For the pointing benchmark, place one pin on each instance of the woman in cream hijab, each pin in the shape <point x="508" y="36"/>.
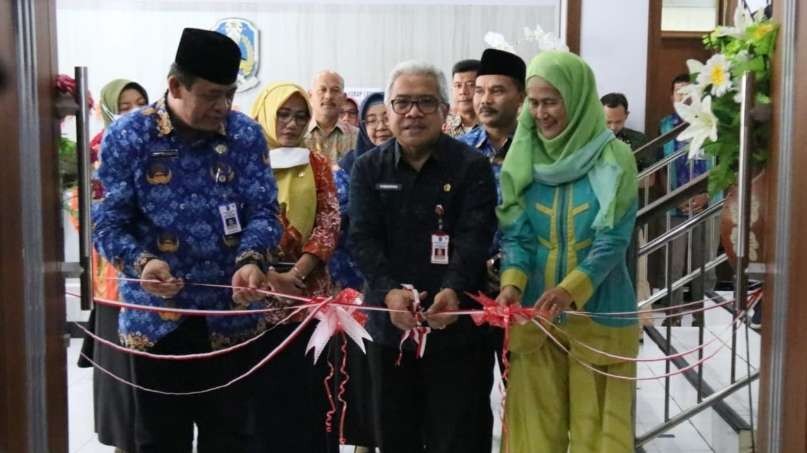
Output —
<point x="306" y="192"/>
<point x="290" y="401"/>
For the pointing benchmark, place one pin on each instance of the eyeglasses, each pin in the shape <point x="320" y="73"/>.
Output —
<point x="374" y="121"/>
<point x="426" y="104"/>
<point x="285" y="116"/>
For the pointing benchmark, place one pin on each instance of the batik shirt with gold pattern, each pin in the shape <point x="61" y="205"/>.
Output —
<point x="163" y="198"/>
<point x="334" y="145"/>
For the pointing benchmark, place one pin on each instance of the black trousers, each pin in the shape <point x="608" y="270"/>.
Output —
<point x="165" y="423"/>
<point x="289" y="401"/>
<point x="437" y="404"/>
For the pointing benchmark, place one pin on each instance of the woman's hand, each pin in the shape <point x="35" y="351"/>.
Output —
<point x="286" y="283"/>
<point x="553" y="302"/>
<point x="509" y="295"/>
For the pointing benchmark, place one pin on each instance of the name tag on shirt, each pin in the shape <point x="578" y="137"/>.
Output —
<point x="229" y="218"/>
<point x="388" y="186"/>
<point x="440" y="248"/>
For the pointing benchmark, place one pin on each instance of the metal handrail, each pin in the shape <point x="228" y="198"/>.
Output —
<point x="691" y="412"/>
<point x="661" y="139"/>
<point x="663" y="162"/>
<point x="678" y="284"/>
<point x="695" y="186"/>
<point x="681" y="229"/>
<point x="743" y="228"/>
<point x="741" y="282"/>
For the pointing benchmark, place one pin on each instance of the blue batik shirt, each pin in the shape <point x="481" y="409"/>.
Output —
<point x="343" y="269"/>
<point x="679" y="171"/>
<point x="477" y="139"/>
<point x="163" y="196"/>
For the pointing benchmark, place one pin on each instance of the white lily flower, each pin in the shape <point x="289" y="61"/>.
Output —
<point x="551" y="42"/>
<point x="497" y="41"/>
<point x="694" y="66"/>
<point x="533" y="35"/>
<point x="695" y="89"/>
<point x="716" y="72"/>
<point x="702" y="124"/>
<point x="691" y="91"/>
<point x="742" y="20"/>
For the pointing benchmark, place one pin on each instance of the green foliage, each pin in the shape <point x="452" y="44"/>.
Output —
<point x="751" y="51"/>
<point x="68" y="163"/>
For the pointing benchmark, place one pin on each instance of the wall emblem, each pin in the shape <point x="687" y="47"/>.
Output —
<point x="244" y="33"/>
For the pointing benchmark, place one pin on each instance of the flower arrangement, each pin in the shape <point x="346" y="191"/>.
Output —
<point x="712" y="104"/>
<point x="544" y="40"/>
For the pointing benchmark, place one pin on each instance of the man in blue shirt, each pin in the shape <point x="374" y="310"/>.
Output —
<point x="190" y="199"/>
<point x="702" y="240"/>
<point x="498" y="94"/>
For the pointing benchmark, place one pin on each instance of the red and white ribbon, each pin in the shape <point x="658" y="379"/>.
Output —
<point x="419" y="334"/>
<point x="339" y="316"/>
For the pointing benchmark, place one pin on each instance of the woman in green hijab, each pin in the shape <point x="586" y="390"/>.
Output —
<point x="117" y="97"/>
<point x="569" y="200"/>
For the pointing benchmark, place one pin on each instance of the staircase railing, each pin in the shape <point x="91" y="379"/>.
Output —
<point x="707" y="398"/>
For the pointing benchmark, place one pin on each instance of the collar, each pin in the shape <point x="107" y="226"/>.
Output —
<point x="483" y="138"/>
<point x="340" y="126"/>
<point x="165" y="126"/>
<point x="453" y="120"/>
<point x="436" y="155"/>
<point x="288" y="157"/>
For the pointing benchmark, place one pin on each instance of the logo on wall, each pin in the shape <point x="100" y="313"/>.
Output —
<point x="244" y="33"/>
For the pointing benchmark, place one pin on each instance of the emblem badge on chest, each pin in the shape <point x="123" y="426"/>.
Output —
<point x="167" y="242"/>
<point x="222" y="173"/>
<point x="158" y="173"/>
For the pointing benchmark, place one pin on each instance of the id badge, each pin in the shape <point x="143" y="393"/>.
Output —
<point x="229" y="218"/>
<point x="440" y="248"/>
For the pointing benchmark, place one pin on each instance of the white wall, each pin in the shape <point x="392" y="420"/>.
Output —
<point x="613" y="40"/>
<point x="137" y="39"/>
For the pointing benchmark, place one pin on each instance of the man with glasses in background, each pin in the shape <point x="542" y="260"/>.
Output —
<point x="422" y="214"/>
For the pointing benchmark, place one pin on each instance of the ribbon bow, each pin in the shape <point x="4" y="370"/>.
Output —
<point x="499" y="315"/>
<point x="339" y="316"/>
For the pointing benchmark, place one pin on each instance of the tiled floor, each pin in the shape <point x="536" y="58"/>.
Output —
<point x="704" y="433"/>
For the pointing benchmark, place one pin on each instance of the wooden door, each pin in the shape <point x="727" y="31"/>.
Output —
<point x="667" y="53"/>
<point x="33" y="401"/>
<point x="783" y="381"/>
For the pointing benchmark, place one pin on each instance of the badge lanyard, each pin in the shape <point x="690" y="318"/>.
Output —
<point x="228" y="212"/>
<point x="440" y="239"/>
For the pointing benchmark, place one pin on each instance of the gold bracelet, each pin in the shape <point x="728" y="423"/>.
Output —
<point x="297" y="273"/>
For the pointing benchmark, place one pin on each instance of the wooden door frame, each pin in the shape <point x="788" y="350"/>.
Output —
<point x="783" y="382"/>
<point x="574" y="13"/>
<point x="33" y="380"/>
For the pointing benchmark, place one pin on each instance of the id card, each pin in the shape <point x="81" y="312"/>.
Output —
<point x="440" y="248"/>
<point x="229" y="218"/>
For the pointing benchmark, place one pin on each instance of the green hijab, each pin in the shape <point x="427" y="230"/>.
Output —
<point x="110" y="94"/>
<point x="584" y="148"/>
